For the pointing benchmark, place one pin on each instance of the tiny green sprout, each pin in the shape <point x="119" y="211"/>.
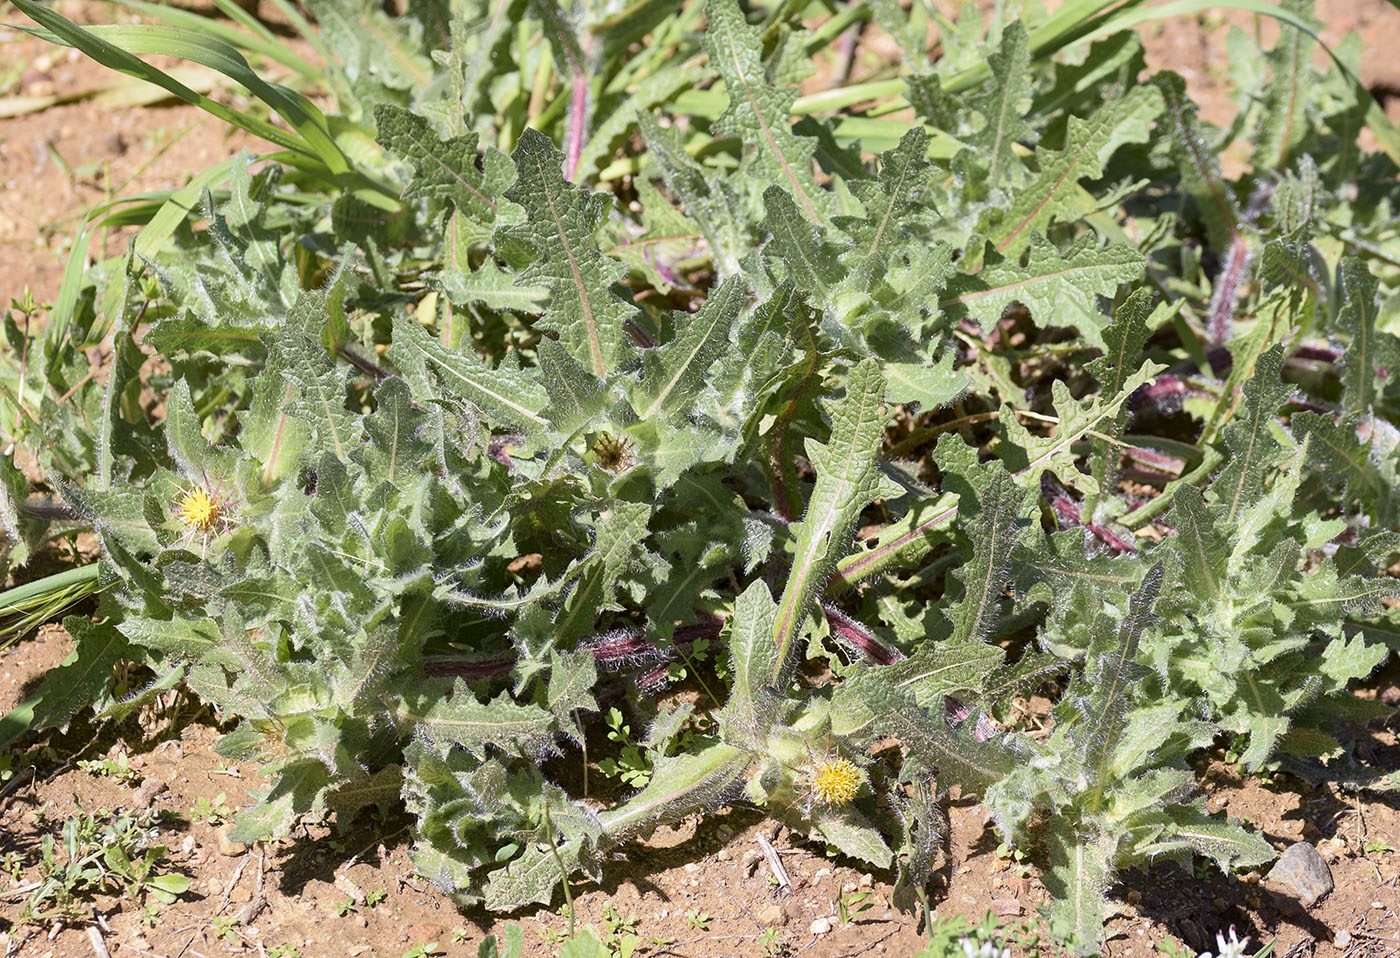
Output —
<point x="150" y="914"/>
<point x="771" y="941"/>
<point x="424" y="949"/>
<point x="1372" y="847"/>
<point x="459" y="935"/>
<point x="699" y="920"/>
<point x="213" y="812"/>
<point x="284" y="951"/>
<point x="224" y="927"/>
<point x="375" y="897"/>
<point x="346" y="907"/>
<point x="853" y="905"/>
<point x="118" y="768"/>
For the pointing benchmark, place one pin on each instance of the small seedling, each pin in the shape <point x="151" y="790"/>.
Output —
<point x="852" y="906"/>
<point x="771" y="941"/>
<point x="375" y="897"/>
<point x="284" y="951"/>
<point x="212" y="812"/>
<point x="118" y="768"/>
<point x="631" y="766"/>
<point x="225" y="927"/>
<point x="699" y="920"/>
<point x="424" y="949"/>
<point x="343" y="908"/>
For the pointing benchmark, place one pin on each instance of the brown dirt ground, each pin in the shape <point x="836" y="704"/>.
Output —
<point x="57" y="162"/>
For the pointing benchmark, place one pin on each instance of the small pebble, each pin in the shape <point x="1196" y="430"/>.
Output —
<point x="691" y="867"/>
<point x="772" y="917"/>
<point x="724" y="855"/>
<point x="820" y="927"/>
<point x="1342" y="940"/>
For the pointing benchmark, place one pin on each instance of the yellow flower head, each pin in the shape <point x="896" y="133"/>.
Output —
<point x="199" y="510"/>
<point x="836" y="783"/>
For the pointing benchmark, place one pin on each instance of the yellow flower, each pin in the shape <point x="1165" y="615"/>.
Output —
<point x="837" y="782"/>
<point x="199" y="510"/>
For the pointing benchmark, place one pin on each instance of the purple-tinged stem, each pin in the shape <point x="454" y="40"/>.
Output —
<point x="578" y="122"/>
<point x="854" y="633"/>
<point x="1227" y="290"/>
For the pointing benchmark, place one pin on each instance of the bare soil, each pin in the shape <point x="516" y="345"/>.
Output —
<point x="699" y="889"/>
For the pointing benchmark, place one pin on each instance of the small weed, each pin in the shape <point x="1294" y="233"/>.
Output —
<point x="459" y="935"/>
<point x="284" y="951"/>
<point x="771" y="941"/>
<point x="424" y="949"/>
<point x="118" y="768"/>
<point x="852" y="906"/>
<point x="699" y="920"/>
<point x="1372" y="847"/>
<point x="224" y="929"/>
<point x="214" y="812"/>
<point x="620" y="939"/>
<point x="343" y="908"/>
<point x="631" y="766"/>
<point x="102" y="853"/>
<point x="375" y="897"/>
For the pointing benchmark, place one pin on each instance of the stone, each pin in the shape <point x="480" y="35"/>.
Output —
<point x="1342" y="940"/>
<point x="723" y="855"/>
<point x="1006" y="907"/>
<point x="147" y="792"/>
<point x="772" y="917"/>
<point x="1301" y="873"/>
<point x="227" y="846"/>
<point x="820" y="927"/>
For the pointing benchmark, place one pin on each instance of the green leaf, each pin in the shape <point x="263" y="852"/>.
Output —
<point x="1088" y="145"/>
<point x="1371" y="350"/>
<point x="616" y="546"/>
<point x="459" y="719"/>
<point x="561" y="222"/>
<point x="1059" y="289"/>
<point x="758" y="112"/>
<point x="994" y="539"/>
<point x="675" y="373"/>
<point x="847" y="481"/>
<point x="505" y="394"/>
<point x="1002" y="102"/>
<point x="445" y="169"/>
<point x="1078" y="879"/>
<point x="1253" y="446"/>
<point x="84" y="679"/>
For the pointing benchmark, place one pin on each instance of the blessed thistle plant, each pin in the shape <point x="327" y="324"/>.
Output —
<point x="909" y="419"/>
